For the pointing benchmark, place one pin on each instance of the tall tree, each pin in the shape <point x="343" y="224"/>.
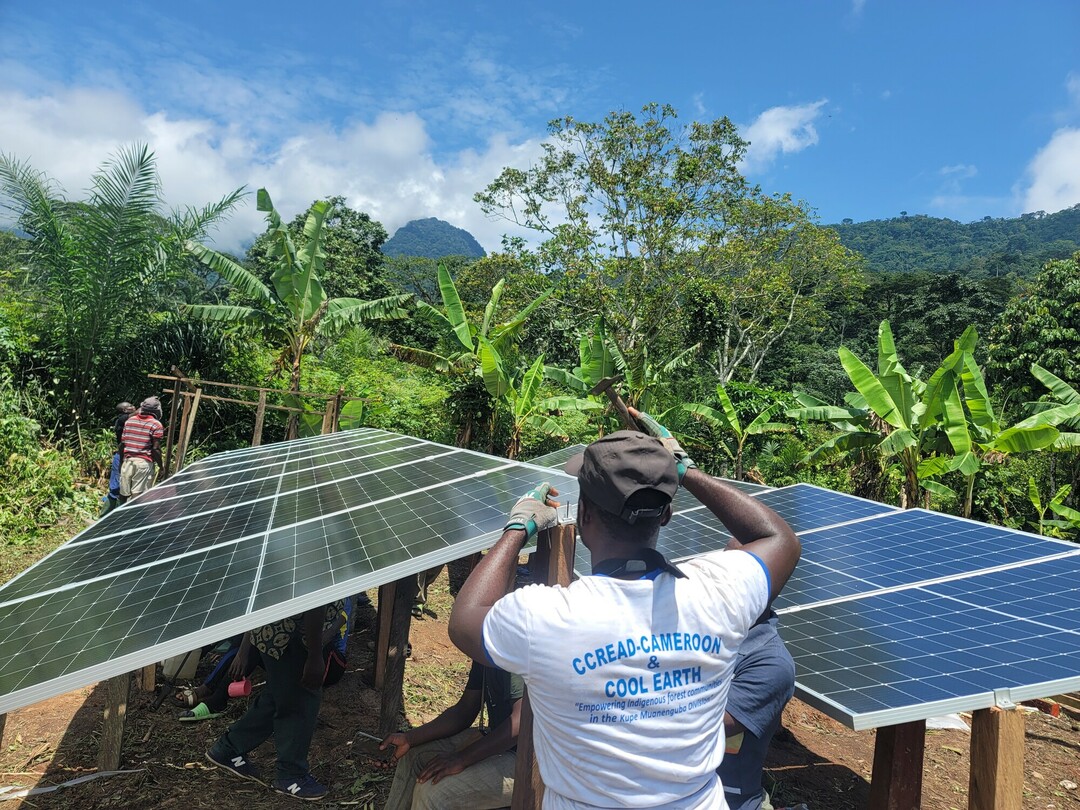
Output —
<point x="294" y="309"/>
<point x="635" y="208"/>
<point x="775" y="271"/>
<point x="103" y="266"/>
<point x="1041" y="326"/>
<point x="353" y="266"/>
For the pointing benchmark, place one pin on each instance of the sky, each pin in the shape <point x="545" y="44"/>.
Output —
<point x="407" y="108"/>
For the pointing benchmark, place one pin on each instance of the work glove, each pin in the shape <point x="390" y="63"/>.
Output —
<point x="534" y="511"/>
<point x="683" y="462"/>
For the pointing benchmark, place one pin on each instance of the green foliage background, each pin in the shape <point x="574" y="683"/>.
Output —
<point x="731" y="269"/>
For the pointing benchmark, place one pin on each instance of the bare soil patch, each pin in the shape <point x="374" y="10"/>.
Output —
<point x="813" y="760"/>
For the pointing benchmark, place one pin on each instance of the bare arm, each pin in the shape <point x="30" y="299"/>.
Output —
<point x="487" y="583"/>
<point x="754" y="526"/>
<point x="457" y="718"/>
<point x="501" y="739"/>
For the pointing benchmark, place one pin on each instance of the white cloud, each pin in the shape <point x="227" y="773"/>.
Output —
<point x="1053" y="176"/>
<point x="960" y="171"/>
<point x="384" y="167"/>
<point x="1072" y="86"/>
<point x="780" y="130"/>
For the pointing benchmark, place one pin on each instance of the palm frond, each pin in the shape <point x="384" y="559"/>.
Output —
<point x="246" y="282"/>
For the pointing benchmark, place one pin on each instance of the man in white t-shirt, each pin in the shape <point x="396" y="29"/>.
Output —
<point x="628" y="670"/>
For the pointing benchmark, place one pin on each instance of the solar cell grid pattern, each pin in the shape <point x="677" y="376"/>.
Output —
<point x="901" y="548"/>
<point x="909" y="654"/>
<point x="243" y="538"/>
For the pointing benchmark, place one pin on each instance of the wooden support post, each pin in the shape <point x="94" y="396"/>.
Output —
<point x="260" y="415"/>
<point x="397" y="640"/>
<point x="172" y="417"/>
<point x="146" y="678"/>
<point x="898" y="767"/>
<point x="117" y="691"/>
<point x="383" y="618"/>
<point x="554" y="563"/>
<point x="528" y="786"/>
<point x="997" y="760"/>
<point x="187" y="424"/>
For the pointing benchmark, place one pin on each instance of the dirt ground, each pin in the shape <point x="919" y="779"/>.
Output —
<point x="814" y="759"/>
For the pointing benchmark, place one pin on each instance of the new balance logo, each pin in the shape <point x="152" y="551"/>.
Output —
<point x="294" y="788"/>
<point x="238" y="762"/>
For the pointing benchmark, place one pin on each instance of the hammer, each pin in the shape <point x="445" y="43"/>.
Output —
<point x="607" y="386"/>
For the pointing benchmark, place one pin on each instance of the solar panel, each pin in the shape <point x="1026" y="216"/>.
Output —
<point x="805" y="506"/>
<point x="903" y="548"/>
<point x="557" y="458"/>
<point x="243" y="538"/>
<point x="959" y="645"/>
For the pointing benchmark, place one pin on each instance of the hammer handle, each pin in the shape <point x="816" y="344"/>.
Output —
<point x="620" y="407"/>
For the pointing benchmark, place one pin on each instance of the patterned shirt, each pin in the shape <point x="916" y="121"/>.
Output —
<point x="273" y="639"/>
<point x="139" y="432"/>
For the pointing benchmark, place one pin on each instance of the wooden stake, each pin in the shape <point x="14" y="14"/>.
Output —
<point x="179" y="377"/>
<point x="188" y="424"/>
<point x="395" y="645"/>
<point x="997" y="760"/>
<point x="117" y="692"/>
<point x="146" y="678"/>
<point x="260" y="415"/>
<point x="528" y="786"/>
<point x="898" y="767"/>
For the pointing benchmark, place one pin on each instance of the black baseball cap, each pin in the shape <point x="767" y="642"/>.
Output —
<point x="618" y="466"/>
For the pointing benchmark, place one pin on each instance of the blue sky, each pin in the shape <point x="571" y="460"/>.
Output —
<point x="862" y="108"/>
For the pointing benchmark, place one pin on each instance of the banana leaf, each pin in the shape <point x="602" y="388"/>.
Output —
<point x="867" y="384"/>
<point x="1064" y="392"/>
<point x="1024" y="439"/>
<point x="455" y="312"/>
<point x="496" y="380"/>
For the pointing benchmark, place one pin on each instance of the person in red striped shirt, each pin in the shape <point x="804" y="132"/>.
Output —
<point x="140" y="447"/>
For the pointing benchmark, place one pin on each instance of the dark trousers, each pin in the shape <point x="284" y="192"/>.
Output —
<point x="283" y="709"/>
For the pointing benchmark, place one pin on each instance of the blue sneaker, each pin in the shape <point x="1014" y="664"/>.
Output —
<point x="237" y="765"/>
<point x="305" y="788"/>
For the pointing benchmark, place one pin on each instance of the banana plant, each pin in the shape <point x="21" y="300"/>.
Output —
<point x="977" y="435"/>
<point x="1053" y="528"/>
<point x="728" y="419"/>
<point x="528" y="410"/>
<point x="599" y="357"/>
<point x="891" y="413"/>
<point x="294" y="309"/>
<point x="467" y="349"/>
<point x="596" y="362"/>
<point x="1065" y="408"/>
